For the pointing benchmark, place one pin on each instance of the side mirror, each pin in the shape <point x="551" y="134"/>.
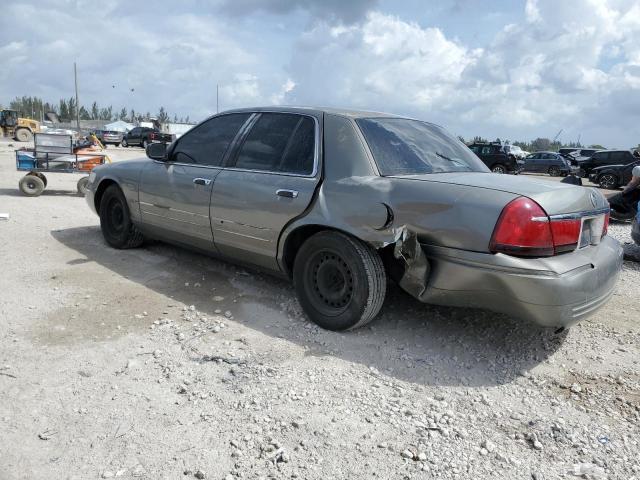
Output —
<point x="157" y="151"/>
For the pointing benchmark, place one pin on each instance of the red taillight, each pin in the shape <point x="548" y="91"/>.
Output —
<point x="566" y="234"/>
<point x="605" y="227"/>
<point x="523" y="229"/>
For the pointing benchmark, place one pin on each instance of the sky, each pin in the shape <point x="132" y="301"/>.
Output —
<point x="516" y="69"/>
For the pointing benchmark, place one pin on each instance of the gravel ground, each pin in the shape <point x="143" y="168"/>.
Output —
<point x="161" y="363"/>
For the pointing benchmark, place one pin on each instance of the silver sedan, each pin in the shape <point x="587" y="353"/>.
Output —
<point x="339" y="201"/>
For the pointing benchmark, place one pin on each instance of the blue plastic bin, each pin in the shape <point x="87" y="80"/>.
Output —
<point x="26" y="161"/>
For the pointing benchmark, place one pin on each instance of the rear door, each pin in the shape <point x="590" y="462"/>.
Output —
<point x="269" y="181"/>
<point x="531" y="162"/>
<point x="175" y="194"/>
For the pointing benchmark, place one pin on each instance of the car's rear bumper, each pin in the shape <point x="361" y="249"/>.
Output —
<point x="553" y="292"/>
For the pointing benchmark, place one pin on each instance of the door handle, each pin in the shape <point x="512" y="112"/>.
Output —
<point x="287" y="193"/>
<point x="202" y="181"/>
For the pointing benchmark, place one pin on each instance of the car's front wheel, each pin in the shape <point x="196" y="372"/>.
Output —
<point x="608" y="181"/>
<point x="340" y="281"/>
<point x="115" y="220"/>
<point x="124" y="143"/>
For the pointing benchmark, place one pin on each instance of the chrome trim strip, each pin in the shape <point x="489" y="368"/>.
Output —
<point x="576" y="215"/>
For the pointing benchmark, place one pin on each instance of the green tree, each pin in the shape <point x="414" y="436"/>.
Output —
<point x="64" y="110"/>
<point x="84" y="114"/>
<point x="123" y="114"/>
<point x="95" y="111"/>
<point x="163" y="117"/>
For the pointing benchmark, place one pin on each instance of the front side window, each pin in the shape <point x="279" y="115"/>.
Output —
<point x="281" y="143"/>
<point x="207" y="143"/>
<point x="409" y="147"/>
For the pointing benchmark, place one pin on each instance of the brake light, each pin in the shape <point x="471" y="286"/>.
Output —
<point x="565" y="234"/>
<point x="605" y="227"/>
<point x="524" y="229"/>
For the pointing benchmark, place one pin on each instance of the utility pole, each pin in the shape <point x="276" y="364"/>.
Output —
<point x="217" y="99"/>
<point x="75" y="77"/>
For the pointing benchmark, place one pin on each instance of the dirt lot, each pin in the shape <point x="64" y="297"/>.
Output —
<point x="161" y="363"/>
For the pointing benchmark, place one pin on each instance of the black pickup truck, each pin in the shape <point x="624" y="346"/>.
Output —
<point x="143" y="136"/>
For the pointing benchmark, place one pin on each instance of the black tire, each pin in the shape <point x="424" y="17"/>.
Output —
<point x="31" y="185"/>
<point x="24" y="135"/>
<point x="554" y="171"/>
<point x="608" y="181"/>
<point x="499" y="168"/>
<point x="82" y="185"/>
<point x="339" y="280"/>
<point x="115" y="220"/>
<point x="124" y="143"/>
<point x="41" y="176"/>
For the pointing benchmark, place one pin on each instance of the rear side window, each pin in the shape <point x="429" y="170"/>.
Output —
<point x="618" y="157"/>
<point x="600" y="156"/>
<point x="207" y="143"/>
<point x="408" y="147"/>
<point x="279" y="142"/>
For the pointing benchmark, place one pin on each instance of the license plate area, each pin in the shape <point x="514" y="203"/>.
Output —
<point x="591" y="231"/>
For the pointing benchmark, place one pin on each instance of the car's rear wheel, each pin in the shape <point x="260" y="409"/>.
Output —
<point x="340" y="281"/>
<point x="608" y="181"/>
<point x="115" y="220"/>
<point x="499" y="168"/>
<point x="554" y="171"/>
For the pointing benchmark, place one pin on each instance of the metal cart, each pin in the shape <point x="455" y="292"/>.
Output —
<point x="55" y="154"/>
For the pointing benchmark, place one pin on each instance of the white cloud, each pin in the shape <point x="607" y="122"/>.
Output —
<point x="573" y="64"/>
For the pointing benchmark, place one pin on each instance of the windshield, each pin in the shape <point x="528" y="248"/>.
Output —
<point x="410" y="147"/>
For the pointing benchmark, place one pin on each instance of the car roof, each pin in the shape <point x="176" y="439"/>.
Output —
<point x="344" y="112"/>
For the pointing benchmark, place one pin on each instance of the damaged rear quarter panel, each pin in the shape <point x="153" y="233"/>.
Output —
<point x="404" y="211"/>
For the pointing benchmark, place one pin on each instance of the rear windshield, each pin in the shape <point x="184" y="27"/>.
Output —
<point x="410" y="147"/>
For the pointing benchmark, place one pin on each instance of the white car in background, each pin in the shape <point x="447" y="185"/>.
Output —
<point x="515" y="151"/>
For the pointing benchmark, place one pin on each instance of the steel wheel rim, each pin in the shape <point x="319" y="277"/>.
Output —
<point x="330" y="282"/>
<point x="115" y="216"/>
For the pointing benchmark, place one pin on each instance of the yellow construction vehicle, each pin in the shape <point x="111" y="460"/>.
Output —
<point x="20" y="129"/>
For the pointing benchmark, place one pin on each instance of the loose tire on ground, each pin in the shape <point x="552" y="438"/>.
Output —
<point x="339" y="280"/>
<point x="115" y="220"/>
<point x="24" y="135"/>
<point x="31" y="185"/>
<point x="82" y="185"/>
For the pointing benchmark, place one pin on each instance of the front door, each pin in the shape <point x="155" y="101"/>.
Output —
<point x="175" y="195"/>
<point x="270" y="180"/>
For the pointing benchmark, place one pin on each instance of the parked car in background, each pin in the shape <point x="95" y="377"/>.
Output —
<point x="613" y="176"/>
<point x="578" y="152"/>
<point x="494" y="157"/>
<point x="336" y="200"/>
<point x="108" y="137"/>
<point x="604" y="158"/>
<point x="549" y="162"/>
<point x="143" y="136"/>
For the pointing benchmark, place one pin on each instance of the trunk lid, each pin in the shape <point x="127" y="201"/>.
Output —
<point x="554" y="197"/>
